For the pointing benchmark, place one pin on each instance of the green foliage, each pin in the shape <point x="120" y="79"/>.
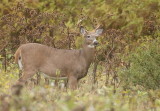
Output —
<point x="144" y="69"/>
<point x="6" y="77"/>
<point x="84" y="99"/>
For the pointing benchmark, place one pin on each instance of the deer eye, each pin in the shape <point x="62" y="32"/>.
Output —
<point x="88" y="36"/>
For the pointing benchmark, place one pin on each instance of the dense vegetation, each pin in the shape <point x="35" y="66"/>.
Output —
<point x="126" y="71"/>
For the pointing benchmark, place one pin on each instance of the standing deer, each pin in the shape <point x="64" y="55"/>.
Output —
<point x="73" y="64"/>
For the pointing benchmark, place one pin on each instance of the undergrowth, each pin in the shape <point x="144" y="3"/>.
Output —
<point x="87" y="97"/>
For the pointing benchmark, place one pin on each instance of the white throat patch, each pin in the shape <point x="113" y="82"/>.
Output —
<point x="91" y="46"/>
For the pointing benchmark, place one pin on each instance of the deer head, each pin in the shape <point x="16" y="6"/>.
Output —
<point x="90" y="36"/>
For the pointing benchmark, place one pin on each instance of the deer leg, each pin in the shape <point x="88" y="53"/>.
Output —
<point x="72" y="82"/>
<point x="25" y="76"/>
<point x="46" y="81"/>
<point x="16" y="88"/>
<point x="65" y="83"/>
<point x="38" y="78"/>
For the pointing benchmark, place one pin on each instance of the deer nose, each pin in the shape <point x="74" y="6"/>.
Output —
<point x="95" y="43"/>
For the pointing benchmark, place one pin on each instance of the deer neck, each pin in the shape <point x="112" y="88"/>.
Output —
<point x="88" y="54"/>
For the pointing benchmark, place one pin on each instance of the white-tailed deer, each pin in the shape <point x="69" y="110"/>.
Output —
<point x="73" y="64"/>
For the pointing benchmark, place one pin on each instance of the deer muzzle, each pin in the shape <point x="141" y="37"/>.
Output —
<point x="95" y="43"/>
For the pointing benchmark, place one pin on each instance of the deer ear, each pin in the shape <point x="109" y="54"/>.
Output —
<point x="99" y="31"/>
<point x="82" y="30"/>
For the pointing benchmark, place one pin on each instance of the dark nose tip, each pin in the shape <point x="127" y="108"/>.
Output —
<point x="95" y="43"/>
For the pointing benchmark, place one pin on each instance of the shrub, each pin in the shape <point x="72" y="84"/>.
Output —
<point x="144" y="68"/>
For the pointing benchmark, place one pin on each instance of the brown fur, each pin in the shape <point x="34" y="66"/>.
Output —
<point x="73" y="64"/>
